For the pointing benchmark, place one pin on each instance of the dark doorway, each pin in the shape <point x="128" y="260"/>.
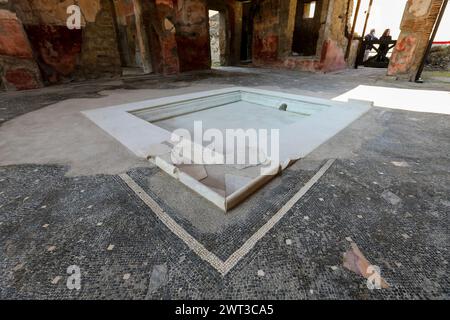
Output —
<point x="131" y="37"/>
<point x="247" y="33"/>
<point x="126" y="29"/>
<point x="307" y="27"/>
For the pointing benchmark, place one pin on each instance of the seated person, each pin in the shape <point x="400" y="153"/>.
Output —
<point x="369" y="37"/>
<point x="384" y="46"/>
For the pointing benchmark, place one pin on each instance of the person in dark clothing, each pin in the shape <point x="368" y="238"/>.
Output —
<point x="384" y="46"/>
<point x="369" y="37"/>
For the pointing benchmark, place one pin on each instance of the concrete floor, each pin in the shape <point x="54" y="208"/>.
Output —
<point x="62" y="202"/>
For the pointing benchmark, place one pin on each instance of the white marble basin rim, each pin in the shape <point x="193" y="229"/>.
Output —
<point x="146" y="127"/>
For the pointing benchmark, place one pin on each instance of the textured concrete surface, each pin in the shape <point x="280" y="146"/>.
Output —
<point x="388" y="192"/>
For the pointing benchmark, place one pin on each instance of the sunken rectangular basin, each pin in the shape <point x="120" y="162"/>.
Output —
<point x="293" y="126"/>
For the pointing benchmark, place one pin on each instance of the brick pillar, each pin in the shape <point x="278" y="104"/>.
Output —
<point x="417" y="24"/>
<point x="18" y="69"/>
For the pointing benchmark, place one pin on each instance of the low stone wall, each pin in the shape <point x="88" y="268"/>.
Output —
<point x="439" y="58"/>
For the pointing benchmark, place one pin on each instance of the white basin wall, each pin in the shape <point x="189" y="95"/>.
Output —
<point x="307" y="123"/>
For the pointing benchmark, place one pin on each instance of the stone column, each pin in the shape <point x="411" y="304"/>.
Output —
<point x="417" y="24"/>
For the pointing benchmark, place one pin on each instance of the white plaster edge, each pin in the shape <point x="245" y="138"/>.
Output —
<point x="139" y="135"/>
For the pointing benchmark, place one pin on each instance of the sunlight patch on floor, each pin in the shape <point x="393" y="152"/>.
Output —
<point x="403" y="99"/>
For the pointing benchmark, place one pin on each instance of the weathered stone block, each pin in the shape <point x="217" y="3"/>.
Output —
<point x="13" y="40"/>
<point x="19" y="74"/>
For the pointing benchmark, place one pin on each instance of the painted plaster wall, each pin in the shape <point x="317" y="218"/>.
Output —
<point x="273" y="31"/>
<point x="159" y="17"/>
<point x="266" y="31"/>
<point x="91" y="52"/>
<point x="192" y="34"/>
<point x="62" y="53"/>
<point x="177" y="31"/>
<point x="37" y="44"/>
<point x="231" y="21"/>
<point x="416" y="27"/>
<point x="127" y="33"/>
<point x="18" y="69"/>
<point x="99" y="48"/>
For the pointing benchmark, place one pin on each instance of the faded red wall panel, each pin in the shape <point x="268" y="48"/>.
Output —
<point x="57" y="47"/>
<point x="192" y="34"/>
<point x="403" y="56"/>
<point x="13" y="40"/>
<point x="18" y="70"/>
<point x="332" y="57"/>
<point x="163" y="43"/>
<point x="265" y="48"/>
<point x="22" y="79"/>
<point x="193" y="52"/>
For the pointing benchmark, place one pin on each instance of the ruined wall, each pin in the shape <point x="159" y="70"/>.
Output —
<point x="159" y="17"/>
<point x="334" y="41"/>
<point x="231" y="30"/>
<point x="266" y="31"/>
<point x="416" y="27"/>
<point x="62" y="53"/>
<point x="179" y="33"/>
<point x="274" y="22"/>
<point x="175" y="32"/>
<point x="18" y="70"/>
<point x="99" y="51"/>
<point x="192" y="34"/>
<point x="127" y="36"/>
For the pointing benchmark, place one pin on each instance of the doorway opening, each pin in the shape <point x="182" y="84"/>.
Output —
<point x="247" y="33"/>
<point x="307" y="28"/>
<point x="131" y="37"/>
<point x="217" y="37"/>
